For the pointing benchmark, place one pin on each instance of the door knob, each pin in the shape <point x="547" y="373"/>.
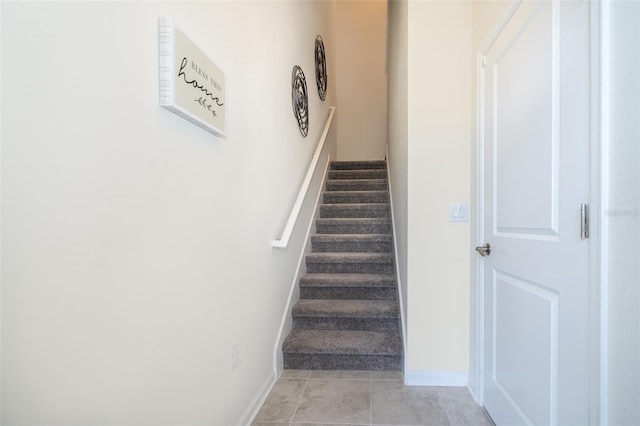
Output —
<point x="484" y="250"/>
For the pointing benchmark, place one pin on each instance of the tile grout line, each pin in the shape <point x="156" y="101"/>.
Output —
<point x="442" y="403"/>
<point x="293" y="416"/>
<point x="334" y="379"/>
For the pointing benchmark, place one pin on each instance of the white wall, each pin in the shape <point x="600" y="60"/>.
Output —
<point x="622" y="215"/>
<point x="136" y="247"/>
<point x="439" y="116"/>
<point x="361" y="80"/>
<point x="397" y="75"/>
<point x="430" y="166"/>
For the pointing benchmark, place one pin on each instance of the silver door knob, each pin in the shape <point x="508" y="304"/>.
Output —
<point x="484" y="250"/>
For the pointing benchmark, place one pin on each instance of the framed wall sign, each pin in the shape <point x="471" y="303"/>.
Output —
<point x="191" y="85"/>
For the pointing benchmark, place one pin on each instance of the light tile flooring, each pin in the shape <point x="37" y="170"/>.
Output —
<point x="302" y="397"/>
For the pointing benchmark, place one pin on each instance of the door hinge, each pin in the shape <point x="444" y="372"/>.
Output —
<point x="484" y="61"/>
<point x="584" y="221"/>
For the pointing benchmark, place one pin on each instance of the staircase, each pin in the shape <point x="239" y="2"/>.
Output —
<point x="347" y="317"/>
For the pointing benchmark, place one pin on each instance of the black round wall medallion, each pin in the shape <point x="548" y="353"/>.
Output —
<point x="299" y="99"/>
<point x="321" y="68"/>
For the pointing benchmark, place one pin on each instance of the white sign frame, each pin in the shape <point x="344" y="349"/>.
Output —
<point x="192" y="86"/>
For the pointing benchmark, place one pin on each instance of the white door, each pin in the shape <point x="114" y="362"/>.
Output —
<point x="536" y="175"/>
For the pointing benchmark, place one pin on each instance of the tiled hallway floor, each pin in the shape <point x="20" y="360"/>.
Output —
<point x="302" y="397"/>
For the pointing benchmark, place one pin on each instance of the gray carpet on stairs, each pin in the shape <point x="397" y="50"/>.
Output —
<point x="348" y="316"/>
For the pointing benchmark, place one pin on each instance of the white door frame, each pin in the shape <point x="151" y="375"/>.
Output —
<point x="597" y="343"/>
<point x="600" y="185"/>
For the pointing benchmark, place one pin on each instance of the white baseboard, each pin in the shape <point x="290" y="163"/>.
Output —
<point x="436" y="378"/>
<point x="256" y="403"/>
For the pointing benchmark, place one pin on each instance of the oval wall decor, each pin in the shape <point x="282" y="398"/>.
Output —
<point x="321" y="69"/>
<point x="299" y="99"/>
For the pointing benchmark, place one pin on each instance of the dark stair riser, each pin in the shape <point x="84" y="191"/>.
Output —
<point x="351" y="247"/>
<point x="332" y="323"/>
<point x="342" y="362"/>
<point x="337" y="292"/>
<point x="357" y="185"/>
<point x="369" y="210"/>
<point x="353" y="229"/>
<point x="353" y="197"/>
<point x="358" y="165"/>
<point x="357" y="174"/>
<point x="360" y="226"/>
<point x="346" y="315"/>
<point x="360" y="287"/>
<point x="350" y="268"/>
<point x="343" y="350"/>
<point x="341" y="243"/>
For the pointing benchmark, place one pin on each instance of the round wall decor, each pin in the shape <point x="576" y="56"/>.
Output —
<point x="321" y="68"/>
<point x="299" y="99"/>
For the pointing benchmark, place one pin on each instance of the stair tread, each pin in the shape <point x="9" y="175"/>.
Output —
<point x="353" y="220"/>
<point x="356" y="181"/>
<point x="350" y="257"/>
<point x="366" y="191"/>
<point x="355" y="205"/>
<point x="346" y="308"/>
<point x="351" y="165"/>
<point x="358" y="174"/>
<point x="351" y="238"/>
<point x="343" y="342"/>
<point x="347" y="280"/>
<point x="356" y="184"/>
<point x="370" y="196"/>
<point x="355" y="210"/>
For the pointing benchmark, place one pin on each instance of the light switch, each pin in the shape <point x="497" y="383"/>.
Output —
<point x="458" y="213"/>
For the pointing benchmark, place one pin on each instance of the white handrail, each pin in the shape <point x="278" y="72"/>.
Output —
<point x="283" y="241"/>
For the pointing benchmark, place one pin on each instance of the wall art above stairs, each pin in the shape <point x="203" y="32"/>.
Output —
<point x="348" y="316"/>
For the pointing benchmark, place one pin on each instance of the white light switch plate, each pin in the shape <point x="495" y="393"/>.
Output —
<point x="458" y="213"/>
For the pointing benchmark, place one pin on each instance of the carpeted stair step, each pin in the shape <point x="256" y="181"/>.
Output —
<point x="348" y="317"/>
<point x="350" y="263"/>
<point x="324" y="314"/>
<point x="343" y="243"/>
<point x="353" y="225"/>
<point x="352" y="197"/>
<point x="358" y="165"/>
<point x="343" y="350"/>
<point x="355" y="210"/>
<point x="357" y="185"/>
<point x="358" y="174"/>
<point x="348" y="286"/>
